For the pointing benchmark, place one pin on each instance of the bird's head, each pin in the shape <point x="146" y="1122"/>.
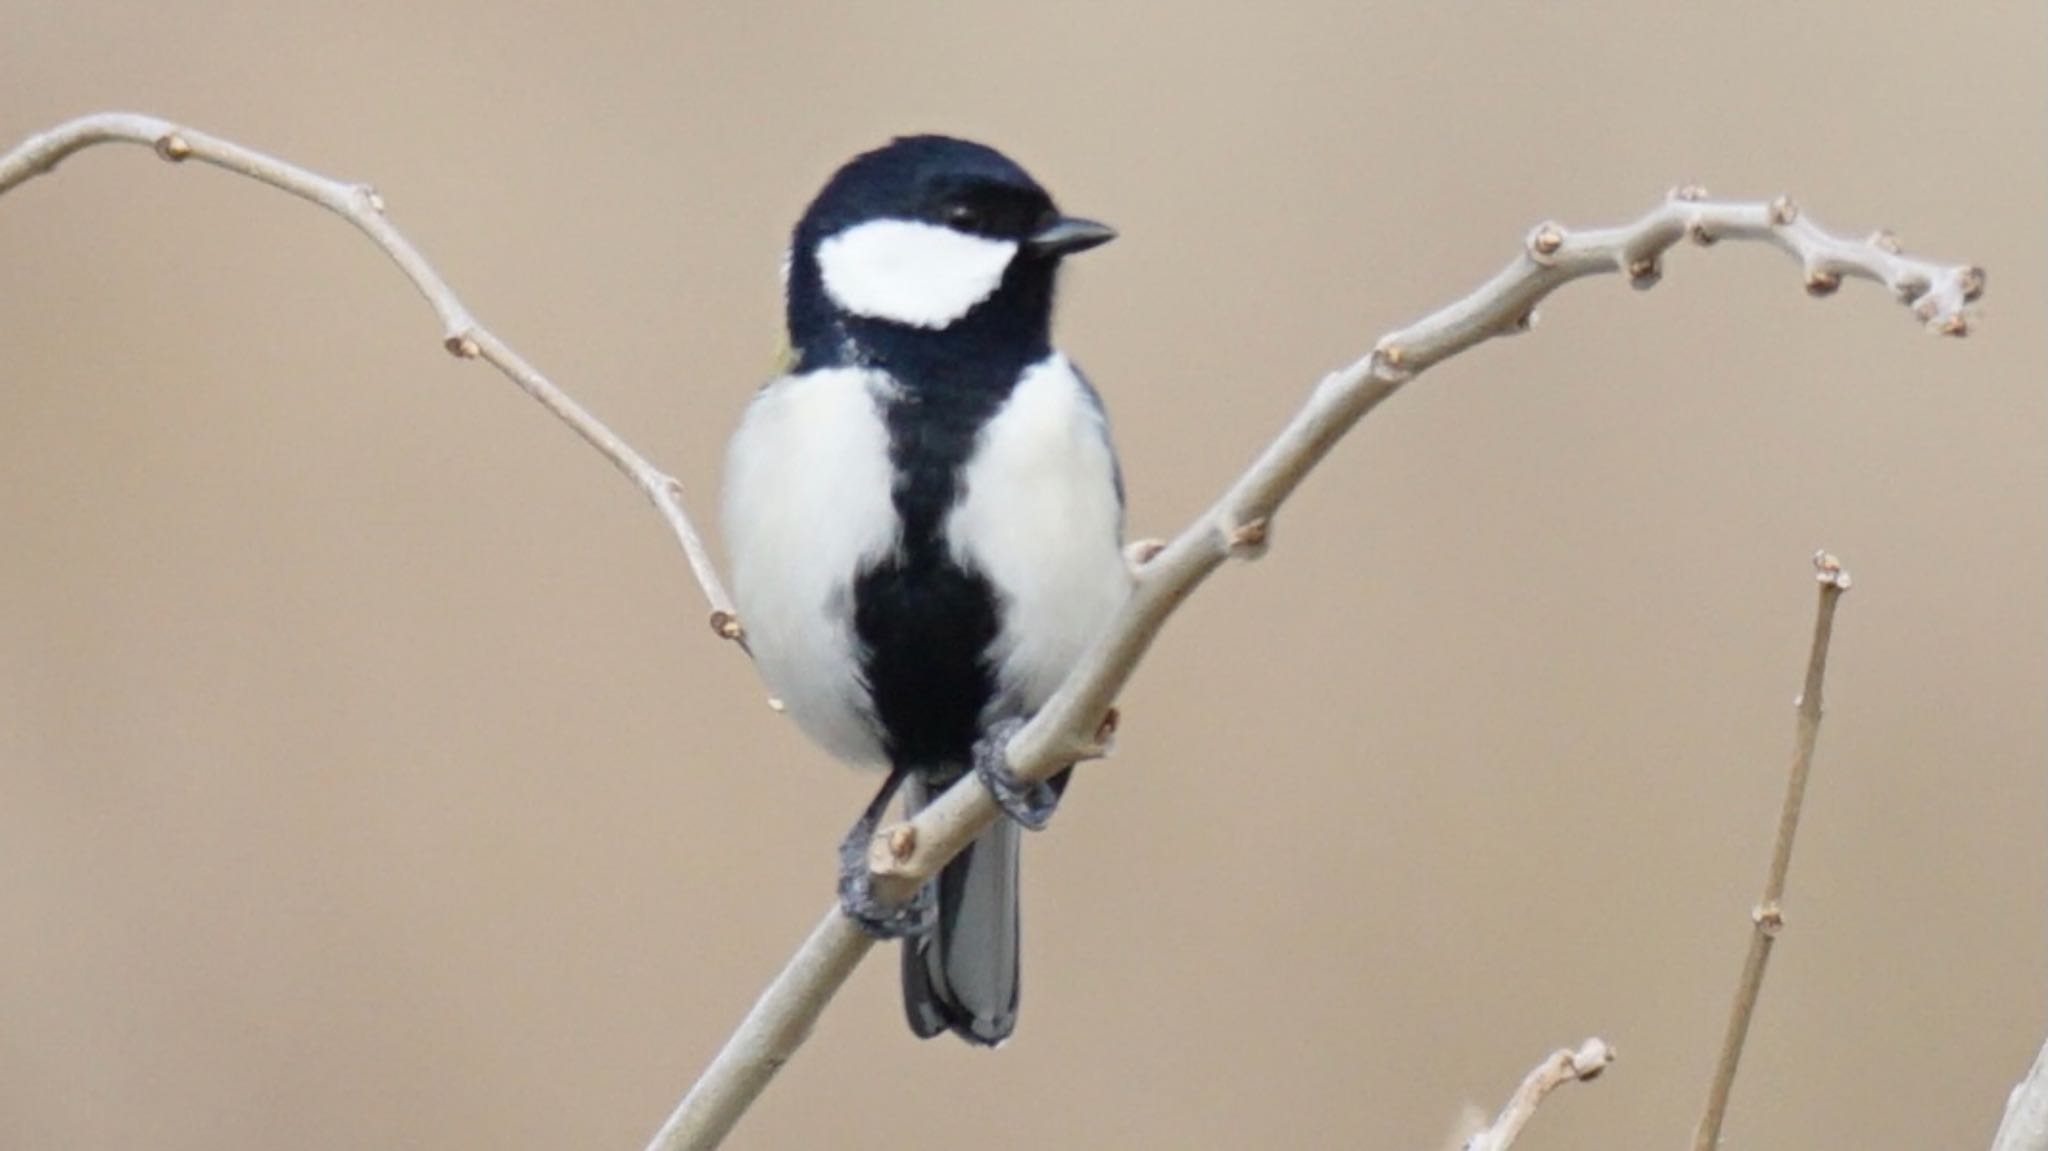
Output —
<point x="928" y="237"/>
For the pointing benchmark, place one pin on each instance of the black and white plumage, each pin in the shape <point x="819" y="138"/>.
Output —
<point x="924" y="516"/>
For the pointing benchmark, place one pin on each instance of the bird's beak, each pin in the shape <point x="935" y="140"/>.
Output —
<point x="1067" y="235"/>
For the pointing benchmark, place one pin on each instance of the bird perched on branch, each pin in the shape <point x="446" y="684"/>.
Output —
<point x="924" y="518"/>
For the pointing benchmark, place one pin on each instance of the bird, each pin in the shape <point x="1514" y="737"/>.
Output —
<point x="924" y="517"/>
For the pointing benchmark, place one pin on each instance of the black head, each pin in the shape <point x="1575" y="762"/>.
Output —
<point x="928" y="246"/>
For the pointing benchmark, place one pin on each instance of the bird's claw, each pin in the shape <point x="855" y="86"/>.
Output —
<point x="878" y="920"/>
<point x="1029" y="805"/>
<point x="857" y="896"/>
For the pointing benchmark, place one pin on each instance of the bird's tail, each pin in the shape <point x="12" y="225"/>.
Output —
<point x="962" y="975"/>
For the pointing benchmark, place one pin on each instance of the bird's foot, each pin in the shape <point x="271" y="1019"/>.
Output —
<point x="857" y="894"/>
<point x="1030" y="805"/>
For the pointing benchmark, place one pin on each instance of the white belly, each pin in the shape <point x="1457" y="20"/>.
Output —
<point x="1039" y="516"/>
<point x="807" y="505"/>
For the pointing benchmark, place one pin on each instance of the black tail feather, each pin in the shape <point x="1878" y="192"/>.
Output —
<point x="963" y="976"/>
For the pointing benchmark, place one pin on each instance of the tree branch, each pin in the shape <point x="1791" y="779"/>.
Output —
<point x="1768" y="918"/>
<point x="1078" y="722"/>
<point x="1557" y="1069"/>
<point x="462" y="335"/>
<point x="751" y="1058"/>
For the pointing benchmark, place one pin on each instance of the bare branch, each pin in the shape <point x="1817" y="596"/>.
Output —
<point x="1557" y="1069"/>
<point x="1768" y="918"/>
<point x="462" y="335"/>
<point x="1074" y="724"/>
<point x="2025" y="1126"/>
<point x="752" y="1057"/>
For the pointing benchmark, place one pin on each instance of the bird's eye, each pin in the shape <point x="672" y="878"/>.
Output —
<point x="966" y="217"/>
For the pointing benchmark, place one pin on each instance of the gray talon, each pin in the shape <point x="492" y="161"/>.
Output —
<point x="1030" y="805"/>
<point x="857" y="895"/>
<point x="912" y="920"/>
<point x="856" y="886"/>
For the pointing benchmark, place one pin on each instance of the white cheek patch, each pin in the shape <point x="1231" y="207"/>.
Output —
<point x="912" y="273"/>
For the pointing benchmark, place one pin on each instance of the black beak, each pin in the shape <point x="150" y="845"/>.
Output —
<point x="1068" y="235"/>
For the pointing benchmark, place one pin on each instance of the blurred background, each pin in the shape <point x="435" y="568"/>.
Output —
<point x="368" y="777"/>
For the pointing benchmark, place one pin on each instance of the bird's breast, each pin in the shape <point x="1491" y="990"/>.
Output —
<point x="1039" y="513"/>
<point x="910" y="565"/>
<point x="807" y="505"/>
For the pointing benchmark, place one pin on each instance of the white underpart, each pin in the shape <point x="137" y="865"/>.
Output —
<point x="1039" y="517"/>
<point x="807" y="505"/>
<point x="908" y="272"/>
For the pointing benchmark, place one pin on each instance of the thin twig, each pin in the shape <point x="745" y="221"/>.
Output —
<point x="1768" y="918"/>
<point x="1077" y="722"/>
<point x="2025" y="1126"/>
<point x="1557" y="1069"/>
<point x="746" y="1063"/>
<point x="461" y="334"/>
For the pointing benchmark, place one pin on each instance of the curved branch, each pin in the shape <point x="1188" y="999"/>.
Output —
<point x="1078" y="721"/>
<point x="1237" y="526"/>
<point x="462" y="335"/>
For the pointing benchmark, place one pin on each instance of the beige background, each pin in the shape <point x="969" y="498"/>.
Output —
<point x="368" y="779"/>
